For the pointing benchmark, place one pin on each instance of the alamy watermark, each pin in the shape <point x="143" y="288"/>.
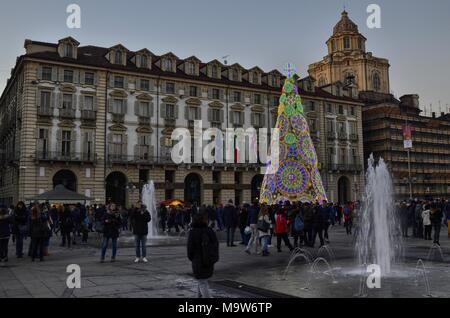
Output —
<point x="73" y="281"/>
<point x="74" y="19"/>
<point x="237" y="146"/>
<point x="374" y="19"/>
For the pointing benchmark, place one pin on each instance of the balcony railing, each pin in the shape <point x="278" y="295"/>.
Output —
<point x="345" y="167"/>
<point x="66" y="156"/>
<point x="144" y="121"/>
<point x="88" y="115"/>
<point x="45" y="111"/>
<point x="118" y="118"/>
<point x="331" y="134"/>
<point x="342" y="136"/>
<point x="66" y="113"/>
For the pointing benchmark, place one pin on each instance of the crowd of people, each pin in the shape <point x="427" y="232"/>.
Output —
<point x="423" y="217"/>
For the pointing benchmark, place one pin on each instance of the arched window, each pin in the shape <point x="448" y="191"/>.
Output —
<point x="376" y="82"/>
<point x="346" y="42"/>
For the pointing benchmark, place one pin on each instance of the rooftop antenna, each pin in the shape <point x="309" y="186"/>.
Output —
<point x="224" y="58"/>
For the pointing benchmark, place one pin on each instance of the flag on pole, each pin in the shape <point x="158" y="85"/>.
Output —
<point x="407" y="137"/>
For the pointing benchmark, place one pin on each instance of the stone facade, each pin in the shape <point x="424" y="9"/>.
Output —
<point x="99" y="120"/>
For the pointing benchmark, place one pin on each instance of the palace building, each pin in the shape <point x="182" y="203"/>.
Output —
<point x="99" y="120"/>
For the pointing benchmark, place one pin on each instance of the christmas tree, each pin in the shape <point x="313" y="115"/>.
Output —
<point x="295" y="176"/>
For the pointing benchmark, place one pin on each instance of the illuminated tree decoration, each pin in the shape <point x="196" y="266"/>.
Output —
<point x="295" y="177"/>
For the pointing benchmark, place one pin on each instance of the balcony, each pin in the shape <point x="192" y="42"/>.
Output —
<point x="331" y="135"/>
<point x="118" y="118"/>
<point x="67" y="113"/>
<point x="347" y="167"/>
<point x="144" y="121"/>
<point x="353" y="137"/>
<point x="9" y="158"/>
<point x="88" y="115"/>
<point x="66" y="156"/>
<point x="45" y="111"/>
<point x="170" y="122"/>
<point x="342" y="136"/>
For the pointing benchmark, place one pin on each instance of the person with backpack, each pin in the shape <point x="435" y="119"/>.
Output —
<point x="264" y="224"/>
<point x="203" y="252"/>
<point x="140" y="219"/>
<point x="298" y="227"/>
<point x="281" y="230"/>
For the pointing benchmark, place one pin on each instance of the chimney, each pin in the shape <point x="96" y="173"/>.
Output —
<point x="433" y="114"/>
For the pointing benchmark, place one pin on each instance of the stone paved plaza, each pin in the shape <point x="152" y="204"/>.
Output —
<point x="237" y="274"/>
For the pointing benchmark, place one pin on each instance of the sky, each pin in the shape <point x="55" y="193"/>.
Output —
<point x="414" y="34"/>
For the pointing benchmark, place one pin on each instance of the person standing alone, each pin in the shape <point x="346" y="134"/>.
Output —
<point x="203" y="252"/>
<point x="140" y="219"/>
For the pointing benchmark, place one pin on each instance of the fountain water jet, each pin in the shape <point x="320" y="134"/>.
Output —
<point x="148" y="199"/>
<point x="292" y="259"/>
<point x="378" y="240"/>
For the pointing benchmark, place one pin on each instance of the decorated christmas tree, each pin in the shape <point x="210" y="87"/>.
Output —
<point x="295" y="175"/>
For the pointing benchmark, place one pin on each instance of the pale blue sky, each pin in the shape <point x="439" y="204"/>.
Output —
<point x="414" y="34"/>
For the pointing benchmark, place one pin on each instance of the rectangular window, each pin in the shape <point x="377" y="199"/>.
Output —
<point x="144" y="61"/>
<point x="343" y="156"/>
<point x="274" y="81"/>
<point x="170" y="111"/>
<point x="329" y="108"/>
<point x="88" y="102"/>
<point x="118" y="57"/>
<point x="67" y="101"/>
<point x="89" y="78"/>
<point x="275" y="101"/>
<point x="43" y="141"/>
<point x="68" y="50"/>
<point x="144" y="109"/>
<point x="341" y="109"/>
<point x="215" y="93"/>
<point x="258" y="119"/>
<point x="66" y="142"/>
<point x="194" y="113"/>
<point x="237" y="96"/>
<point x="312" y="125"/>
<point x="117" y="142"/>
<point x="118" y="106"/>
<point x="170" y="88"/>
<point x="68" y="76"/>
<point x="257" y="99"/>
<point x="312" y="106"/>
<point x="346" y="43"/>
<point x="330" y="126"/>
<point x="352" y="111"/>
<point x="214" y="71"/>
<point x="47" y="73"/>
<point x="145" y="85"/>
<point x="168" y="65"/>
<point x="193" y="91"/>
<point x="215" y="114"/>
<point x="119" y="82"/>
<point x="191" y="68"/>
<point x="238" y="118"/>
<point x="46" y="99"/>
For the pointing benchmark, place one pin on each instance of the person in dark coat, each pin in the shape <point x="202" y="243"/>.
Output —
<point x="20" y="227"/>
<point x="436" y="219"/>
<point x="243" y="223"/>
<point x="111" y="226"/>
<point x="66" y="224"/>
<point x="5" y="233"/>
<point x="203" y="252"/>
<point x="140" y="219"/>
<point x="230" y="220"/>
<point x="317" y="225"/>
<point x="38" y="233"/>
<point x="308" y="214"/>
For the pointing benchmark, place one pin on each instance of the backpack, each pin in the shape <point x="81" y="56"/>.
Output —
<point x="298" y="224"/>
<point x="210" y="250"/>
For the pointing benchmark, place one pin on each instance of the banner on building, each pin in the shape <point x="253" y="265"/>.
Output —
<point x="407" y="137"/>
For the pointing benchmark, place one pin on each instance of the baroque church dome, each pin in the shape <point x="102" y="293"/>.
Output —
<point x="345" y="25"/>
